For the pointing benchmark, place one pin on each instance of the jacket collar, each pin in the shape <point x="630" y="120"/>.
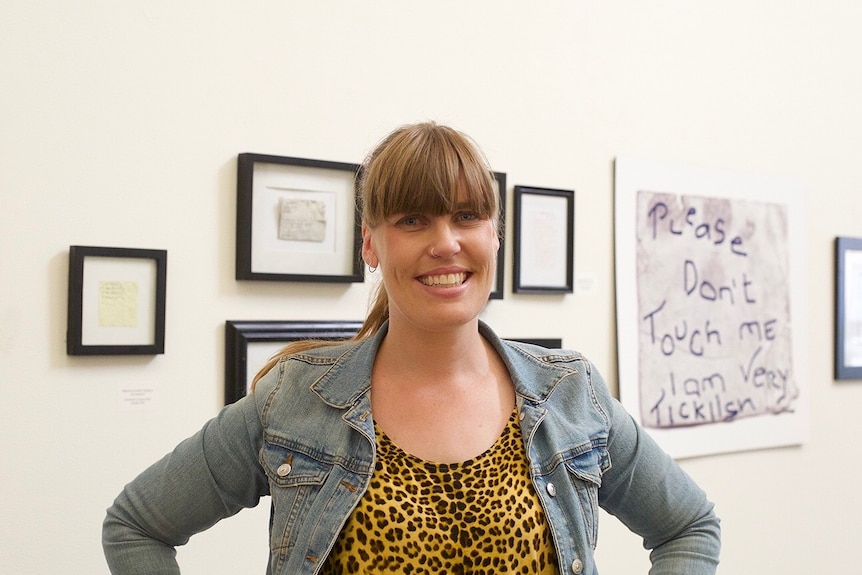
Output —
<point x="535" y="372"/>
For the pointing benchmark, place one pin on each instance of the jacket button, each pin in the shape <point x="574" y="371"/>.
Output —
<point x="577" y="566"/>
<point x="283" y="469"/>
<point x="522" y="415"/>
<point x="552" y="490"/>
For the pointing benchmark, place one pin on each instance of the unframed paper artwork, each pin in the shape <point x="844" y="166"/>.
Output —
<point x="710" y="286"/>
<point x="714" y="305"/>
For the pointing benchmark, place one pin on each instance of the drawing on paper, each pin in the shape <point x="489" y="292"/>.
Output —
<point x="714" y="310"/>
<point x="118" y="304"/>
<point x="302" y="220"/>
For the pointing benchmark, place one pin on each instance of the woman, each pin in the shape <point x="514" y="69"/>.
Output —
<point x="426" y="444"/>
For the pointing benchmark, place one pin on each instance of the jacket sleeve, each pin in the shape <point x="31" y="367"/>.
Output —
<point x="209" y="476"/>
<point x="655" y="498"/>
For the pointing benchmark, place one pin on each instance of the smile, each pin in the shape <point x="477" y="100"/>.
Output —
<point x="445" y="280"/>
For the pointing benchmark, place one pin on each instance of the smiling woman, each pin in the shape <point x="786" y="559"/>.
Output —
<point x="425" y="443"/>
<point x="430" y="216"/>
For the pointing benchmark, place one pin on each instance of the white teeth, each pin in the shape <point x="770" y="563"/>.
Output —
<point x="444" y="280"/>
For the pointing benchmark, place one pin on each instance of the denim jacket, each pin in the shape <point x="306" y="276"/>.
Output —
<point x="305" y="437"/>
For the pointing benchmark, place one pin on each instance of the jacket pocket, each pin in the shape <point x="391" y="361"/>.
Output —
<point x="585" y="471"/>
<point x="295" y="479"/>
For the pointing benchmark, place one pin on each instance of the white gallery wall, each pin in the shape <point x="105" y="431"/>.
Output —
<point x="120" y="124"/>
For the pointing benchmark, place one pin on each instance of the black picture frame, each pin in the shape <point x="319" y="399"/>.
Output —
<point x="848" y="308"/>
<point x="297" y="219"/>
<point x="116" y="301"/>
<point x="499" y="282"/>
<point x="548" y="342"/>
<point x="241" y="334"/>
<point x="543" y="237"/>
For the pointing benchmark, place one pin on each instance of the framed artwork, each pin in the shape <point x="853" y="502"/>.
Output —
<point x="848" y="308"/>
<point x="250" y="344"/>
<point x="497" y="290"/>
<point x="116" y="302"/>
<point x="544" y="239"/>
<point x="297" y="220"/>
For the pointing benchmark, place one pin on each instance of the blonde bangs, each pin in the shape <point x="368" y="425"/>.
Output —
<point x="422" y="168"/>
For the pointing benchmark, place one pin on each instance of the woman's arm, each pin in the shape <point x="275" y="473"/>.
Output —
<point x="209" y="476"/>
<point x="656" y="498"/>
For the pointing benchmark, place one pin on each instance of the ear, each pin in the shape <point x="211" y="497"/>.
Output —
<point x="368" y="255"/>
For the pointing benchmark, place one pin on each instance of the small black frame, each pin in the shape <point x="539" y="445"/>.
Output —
<point x="848" y="308"/>
<point x="544" y="237"/>
<point x="116" y="301"/>
<point x="240" y="334"/>
<point x="497" y="290"/>
<point x="263" y="181"/>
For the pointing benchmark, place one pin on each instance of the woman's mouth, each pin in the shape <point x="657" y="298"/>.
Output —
<point x="444" y="280"/>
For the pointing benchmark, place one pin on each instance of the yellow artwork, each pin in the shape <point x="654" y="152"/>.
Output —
<point x="118" y="304"/>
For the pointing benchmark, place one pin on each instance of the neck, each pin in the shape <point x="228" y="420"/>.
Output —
<point x="441" y="396"/>
<point x="435" y="356"/>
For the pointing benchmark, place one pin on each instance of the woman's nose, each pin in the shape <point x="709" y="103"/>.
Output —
<point x="445" y="241"/>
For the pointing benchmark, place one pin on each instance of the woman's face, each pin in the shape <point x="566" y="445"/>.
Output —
<point x="437" y="270"/>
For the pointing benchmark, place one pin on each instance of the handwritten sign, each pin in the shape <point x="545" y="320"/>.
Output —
<point x="710" y="288"/>
<point x="714" y="307"/>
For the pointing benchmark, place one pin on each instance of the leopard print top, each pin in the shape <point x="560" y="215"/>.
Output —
<point x="480" y="517"/>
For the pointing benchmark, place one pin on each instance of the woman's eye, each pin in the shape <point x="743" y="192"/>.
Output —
<point x="409" y="221"/>
<point x="468" y="216"/>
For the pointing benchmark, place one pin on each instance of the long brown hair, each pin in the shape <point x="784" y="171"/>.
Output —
<point x="418" y="168"/>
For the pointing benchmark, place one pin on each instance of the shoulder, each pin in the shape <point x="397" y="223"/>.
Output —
<point x="545" y="355"/>
<point x="326" y="354"/>
<point x="311" y="360"/>
<point x="559" y="379"/>
<point x="336" y="373"/>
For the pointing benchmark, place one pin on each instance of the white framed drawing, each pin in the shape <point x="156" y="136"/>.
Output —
<point x="116" y="301"/>
<point x="848" y="308"/>
<point x="543" y="237"/>
<point x="297" y="220"/>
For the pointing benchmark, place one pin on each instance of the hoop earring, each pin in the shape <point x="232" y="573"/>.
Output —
<point x="372" y="269"/>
